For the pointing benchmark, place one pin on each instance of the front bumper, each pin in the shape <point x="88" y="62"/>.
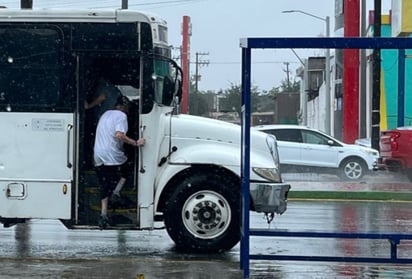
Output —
<point x="269" y="197"/>
<point x="391" y="164"/>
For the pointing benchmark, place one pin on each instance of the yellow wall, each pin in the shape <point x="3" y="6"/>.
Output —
<point x="401" y="17"/>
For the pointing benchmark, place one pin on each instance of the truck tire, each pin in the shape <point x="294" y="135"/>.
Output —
<point x="203" y="214"/>
<point x="352" y="168"/>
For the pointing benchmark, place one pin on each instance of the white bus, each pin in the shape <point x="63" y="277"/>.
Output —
<point x="185" y="179"/>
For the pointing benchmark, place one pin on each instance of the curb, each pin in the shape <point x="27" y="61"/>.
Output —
<point x="344" y="195"/>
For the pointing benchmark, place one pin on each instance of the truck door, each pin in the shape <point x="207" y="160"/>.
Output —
<point x="122" y="70"/>
<point x="36" y="120"/>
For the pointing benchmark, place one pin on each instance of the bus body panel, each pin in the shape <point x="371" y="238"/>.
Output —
<point x="35" y="199"/>
<point x="36" y="146"/>
<point x="154" y="127"/>
<point x="81" y="15"/>
<point x="36" y="165"/>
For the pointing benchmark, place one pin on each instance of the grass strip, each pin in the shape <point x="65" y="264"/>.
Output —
<point x="344" y="195"/>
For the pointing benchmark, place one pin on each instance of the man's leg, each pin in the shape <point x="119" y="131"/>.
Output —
<point x="124" y="172"/>
<point x="119" y="186"/>
<point x="105" y="174"/>
<point x="104" y="206"/>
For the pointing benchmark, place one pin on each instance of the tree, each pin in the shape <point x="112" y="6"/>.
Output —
<point x="233" y="96"/>
<point x="200" y="103"/>
<point x="286" y="86"/>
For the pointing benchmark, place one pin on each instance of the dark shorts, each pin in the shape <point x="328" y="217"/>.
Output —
<point x="109" y="177"/>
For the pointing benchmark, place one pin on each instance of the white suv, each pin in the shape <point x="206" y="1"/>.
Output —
<point x="302" y="149"/>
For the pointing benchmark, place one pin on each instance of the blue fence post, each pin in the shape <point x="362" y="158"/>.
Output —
<point x="401" y="87"/>
<point x="245" y="161"/>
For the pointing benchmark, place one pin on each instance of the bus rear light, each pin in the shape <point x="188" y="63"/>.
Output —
<point x="393" y="138"/>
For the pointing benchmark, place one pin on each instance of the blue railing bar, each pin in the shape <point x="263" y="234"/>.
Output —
<point x="365" y="235"/>
<point x="328" y="42"/>
<point x="330" y="259"/>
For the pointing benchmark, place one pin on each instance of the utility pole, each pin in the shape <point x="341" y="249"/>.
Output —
<point x="287" y="75"/>
<point x="376" y="85"/>
<point x="199" y="63"/>
<point x="185" y="62"/>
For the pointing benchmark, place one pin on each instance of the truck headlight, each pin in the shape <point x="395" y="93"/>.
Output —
<point x="272" y="174"/>
<point x="273" y="148"/>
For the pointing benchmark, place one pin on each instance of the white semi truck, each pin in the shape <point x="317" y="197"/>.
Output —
<point x="186" y="178"/>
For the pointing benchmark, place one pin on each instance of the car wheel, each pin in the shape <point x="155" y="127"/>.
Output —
<point x="203" y="214"/>
<point x="352" y="169"/>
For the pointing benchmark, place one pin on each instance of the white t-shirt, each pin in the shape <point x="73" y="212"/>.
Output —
<point x="108" y="150"/>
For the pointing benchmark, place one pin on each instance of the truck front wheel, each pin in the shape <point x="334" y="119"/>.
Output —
<point x="203" y="214"/>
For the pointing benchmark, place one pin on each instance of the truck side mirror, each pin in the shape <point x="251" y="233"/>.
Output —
<point x="168" y="90"/>
<point x="179" y="90"/>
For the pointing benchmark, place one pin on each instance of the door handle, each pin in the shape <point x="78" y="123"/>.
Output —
<point x="69" y="129"/>
<point x="142" y="170"/>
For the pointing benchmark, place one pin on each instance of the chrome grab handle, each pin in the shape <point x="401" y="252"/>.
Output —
<point x="69" y="129"/>
<point x="142" y="170"/>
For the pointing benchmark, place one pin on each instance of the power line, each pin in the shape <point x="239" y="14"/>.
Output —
<point x="256" y="62"/>
<point x="200" y="62"/>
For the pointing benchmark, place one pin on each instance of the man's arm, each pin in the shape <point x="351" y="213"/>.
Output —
<point x="100" y="99"/>
<point x="122" y="136"/>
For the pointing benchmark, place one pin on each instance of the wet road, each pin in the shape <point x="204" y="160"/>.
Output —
<point x="46" y="249"/>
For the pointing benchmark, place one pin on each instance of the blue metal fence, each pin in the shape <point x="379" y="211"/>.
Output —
<point x="247" y="44"/>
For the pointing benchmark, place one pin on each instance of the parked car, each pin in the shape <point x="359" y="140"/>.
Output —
<point x="303" y="149"/>
<point x="396" y="150"/>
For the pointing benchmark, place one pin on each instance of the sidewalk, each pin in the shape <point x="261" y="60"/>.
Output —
<point x="379" y="186"/>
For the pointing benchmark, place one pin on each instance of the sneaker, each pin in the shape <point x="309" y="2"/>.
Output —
<point x="104" y="222"/>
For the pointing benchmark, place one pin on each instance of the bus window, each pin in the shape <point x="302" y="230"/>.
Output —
<point x="29" y="66"/>
<point x="103" y="36"/>
<point x="165" y="87"/>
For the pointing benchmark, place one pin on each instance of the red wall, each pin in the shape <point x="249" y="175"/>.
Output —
<point x="351" y="73"/>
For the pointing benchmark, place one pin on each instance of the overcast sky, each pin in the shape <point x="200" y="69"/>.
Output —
<point x="217" y="26"/>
